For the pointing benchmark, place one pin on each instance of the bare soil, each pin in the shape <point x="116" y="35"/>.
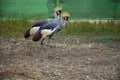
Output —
<point x="62" y="59"/>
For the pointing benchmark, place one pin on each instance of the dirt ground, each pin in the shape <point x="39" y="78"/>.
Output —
<point x="62" y="59"/>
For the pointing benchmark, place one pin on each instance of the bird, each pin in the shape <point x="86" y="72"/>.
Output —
<point x="35" y="27"/>
<point x="50" y="29"/>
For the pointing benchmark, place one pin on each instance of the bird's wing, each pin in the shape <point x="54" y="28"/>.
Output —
<point x="40" y="23"/>
<point x="58" y="28"/>
<point x="43" y="22"/>
<point x="50" y="25"/>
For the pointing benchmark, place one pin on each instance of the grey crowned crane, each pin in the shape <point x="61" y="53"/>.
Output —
<point x="50" y="29"/>
<point x="36" y="26"/>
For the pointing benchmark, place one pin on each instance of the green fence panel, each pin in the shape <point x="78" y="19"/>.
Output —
<point x="51" y="4"/>
<point x="24" y="8"/>
<point x="118" y="10"/>
<point x="79" y="9"/>
<point x="91" y="9"/>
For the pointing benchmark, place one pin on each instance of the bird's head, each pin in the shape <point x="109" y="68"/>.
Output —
<point x="58" y="10"/>
<point x="65" y="15"/>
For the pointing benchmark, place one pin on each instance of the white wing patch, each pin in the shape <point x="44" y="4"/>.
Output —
<point x="46" y="32"/>
<point x="34" y="30"/>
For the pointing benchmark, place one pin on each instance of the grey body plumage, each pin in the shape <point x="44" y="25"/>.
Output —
<point x="48" y="30"/>
<point x="34" y="28"/>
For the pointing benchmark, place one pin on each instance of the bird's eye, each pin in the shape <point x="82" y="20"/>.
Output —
<point x="58" y="12"/>
<point x="66" y="18"/>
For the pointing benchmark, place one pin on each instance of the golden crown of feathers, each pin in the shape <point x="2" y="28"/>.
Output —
<point x="57" y="8"/>
<point x="65" y="14"/>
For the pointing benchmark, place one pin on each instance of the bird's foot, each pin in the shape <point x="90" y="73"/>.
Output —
<point x="47" y="45"/>
<point x="41" y="44"/>
<point x="51" y="46"/>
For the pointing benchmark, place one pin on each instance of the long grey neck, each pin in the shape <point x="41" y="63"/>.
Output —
<point x="56" y="16"/>
<point x="63" y="22"/>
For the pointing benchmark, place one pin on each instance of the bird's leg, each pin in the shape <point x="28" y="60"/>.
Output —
<point x="42" y="41"/>
<point x="49" y="38"/>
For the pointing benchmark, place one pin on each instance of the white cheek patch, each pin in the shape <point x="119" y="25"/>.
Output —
<point x="58" y="12"/>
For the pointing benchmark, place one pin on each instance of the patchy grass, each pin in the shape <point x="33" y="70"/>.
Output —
<point x="13" y="28"/>
<point x="94" y="38"/>
<point x="87" y="32"/>
<point x="91" y="28"/>
<point x="74" y="53"/>
<point x="93" y="32"/>
<point x="67" y="59"/>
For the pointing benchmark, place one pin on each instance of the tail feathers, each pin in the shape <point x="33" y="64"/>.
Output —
<point x="27" y="34"/>
<point x="37" y="36"/>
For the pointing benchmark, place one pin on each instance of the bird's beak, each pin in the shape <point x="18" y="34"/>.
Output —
<point x="67" y="20"/>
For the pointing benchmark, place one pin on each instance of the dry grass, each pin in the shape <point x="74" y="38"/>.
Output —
<point x="82" y="51"/>
<point x="67" y="59"/>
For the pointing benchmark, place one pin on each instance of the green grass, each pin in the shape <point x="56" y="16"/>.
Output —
<point x="93" y="32"/>
<point x="13" y="28"/>
<point x="91" y="28"/>
<point x="94" y="38"/>
<point x="85" y="31"/>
